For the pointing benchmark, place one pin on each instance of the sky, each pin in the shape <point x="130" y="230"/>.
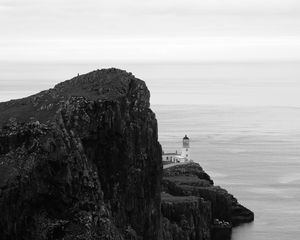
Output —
<point x="139" y="30"/>
<point x="41" y="39"/>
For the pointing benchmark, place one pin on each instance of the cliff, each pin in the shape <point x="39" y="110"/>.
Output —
<point x="220" y="211"/>
<point x="81" y="161"/>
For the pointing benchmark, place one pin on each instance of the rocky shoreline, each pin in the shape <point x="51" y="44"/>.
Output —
<point x="212" y="210"/>
<point x="82" y="161"/>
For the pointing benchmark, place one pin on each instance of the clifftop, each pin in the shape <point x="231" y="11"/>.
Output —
<point x="101" y="85"/>
<point x="81" y="161"/>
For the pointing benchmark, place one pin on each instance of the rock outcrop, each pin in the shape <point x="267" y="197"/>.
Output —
<point x="81" y="161"/>
<point x="219" y="209"/>
<point x="185" y="217"/>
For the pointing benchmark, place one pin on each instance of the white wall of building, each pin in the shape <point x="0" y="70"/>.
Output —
<point x="185" y="153"/>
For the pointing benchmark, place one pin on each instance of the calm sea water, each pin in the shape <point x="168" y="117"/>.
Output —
<point x="254" y="152"/>
<point x="265" y="83"/>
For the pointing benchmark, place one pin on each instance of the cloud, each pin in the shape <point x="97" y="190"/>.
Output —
<point x="214" y="7"/>
<point x="17" y="3"/>
<point x="40" y="29"/>
<point x="143" y="49"/>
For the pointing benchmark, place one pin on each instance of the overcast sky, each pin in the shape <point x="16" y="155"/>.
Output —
<point x="135" y="30"/>
<point x="37" y="36"/>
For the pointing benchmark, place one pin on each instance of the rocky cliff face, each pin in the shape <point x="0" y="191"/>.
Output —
<point x="81" y="161"/>
<point x="219" y="209"/>
<point x="185" y="218"/>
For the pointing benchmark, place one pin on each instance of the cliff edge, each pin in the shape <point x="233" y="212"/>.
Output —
<point x="81" y="161"/>
<point x="215" y="213"/>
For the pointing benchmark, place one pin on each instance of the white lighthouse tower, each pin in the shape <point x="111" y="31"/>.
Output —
<point x="185" y="152"/>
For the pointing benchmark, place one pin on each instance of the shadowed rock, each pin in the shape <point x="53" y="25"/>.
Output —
<point x="189" y="181"/>
<point x="185" y="218"/>
<point x="81" y="161"/>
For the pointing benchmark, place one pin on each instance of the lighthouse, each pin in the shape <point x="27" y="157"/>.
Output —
<point x="174" y="157"/>
<point x="185" y="152"/>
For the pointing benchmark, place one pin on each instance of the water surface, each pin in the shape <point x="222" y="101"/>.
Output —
<point x="251" y="151"/>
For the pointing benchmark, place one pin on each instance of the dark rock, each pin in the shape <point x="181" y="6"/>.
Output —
<point x="81" y="161"/>
<point x="221" y="230"/>
<point x="186" y="218"/>
<point x="189" y="180"/>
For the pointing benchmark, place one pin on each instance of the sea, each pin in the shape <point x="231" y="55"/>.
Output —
<point x="253" y="152"/>
<point x="243" y="121"/>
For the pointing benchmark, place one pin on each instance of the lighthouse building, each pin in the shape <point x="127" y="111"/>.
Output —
<point x="185" y="151"/>
<point x="185" y="155"/>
